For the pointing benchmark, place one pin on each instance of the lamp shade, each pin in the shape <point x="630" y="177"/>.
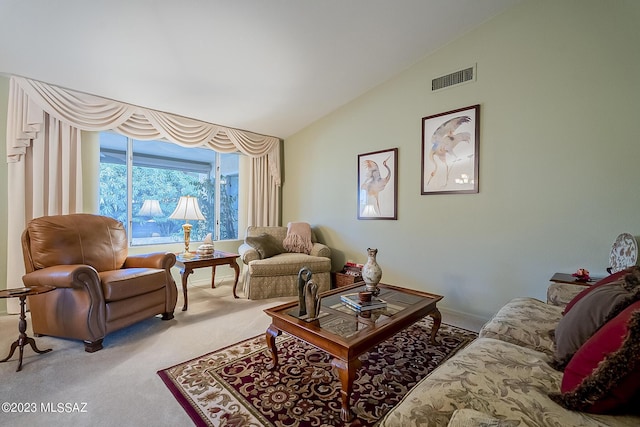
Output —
<point x="187" y="209"/>
<point x="150" y="208"/>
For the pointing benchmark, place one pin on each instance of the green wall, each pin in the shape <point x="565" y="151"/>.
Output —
<point x="557" y="82"/>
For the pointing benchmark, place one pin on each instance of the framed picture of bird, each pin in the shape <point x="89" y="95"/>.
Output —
<point x="450" y="147"/>
<point x="378" y="184"/>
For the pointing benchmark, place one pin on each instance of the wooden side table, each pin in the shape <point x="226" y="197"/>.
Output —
<point x="198" y="261"/>
<point x="569" y="278"/>
<point x="23" y="339"/>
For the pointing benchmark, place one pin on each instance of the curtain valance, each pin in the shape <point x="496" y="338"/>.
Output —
<point x="44" y="155"/>
<point x="31" y="98"/>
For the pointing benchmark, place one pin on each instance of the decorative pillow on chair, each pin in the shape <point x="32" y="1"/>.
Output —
<point x="266" y="245"/>
<point x="591" y="312"/>
<point x="604" y="375"/>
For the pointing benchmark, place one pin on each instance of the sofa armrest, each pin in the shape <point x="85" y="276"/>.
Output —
<point x="560" y="294"/>
<point x="247" y="253"/>
<point x="320" y="249"/>
<point x="162" y="260"/>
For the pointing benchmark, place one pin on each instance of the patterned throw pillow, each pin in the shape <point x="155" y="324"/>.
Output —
<point x="266" y="245"/>
<point x="611" y="278"/>
<point x="591" y="312"/>
<point x="603" y="377"/>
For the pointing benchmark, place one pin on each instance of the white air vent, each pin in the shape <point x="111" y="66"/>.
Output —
<point x="453" y="79"/>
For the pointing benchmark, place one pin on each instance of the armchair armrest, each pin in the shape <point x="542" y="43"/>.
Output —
<point x="248" y="253"/>
<point x="163" y="260"/>
<point x="320" y="249"/>
<point x="77" y="276"/>
<point x="66" y="276"/>
<point x="78" y="279"/>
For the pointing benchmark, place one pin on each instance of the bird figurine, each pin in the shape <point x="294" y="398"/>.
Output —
<point x="312" y="300"/>
<point x="374" y="183"/>
<point x="304" y="276"/>
<point x="444" y="141"/>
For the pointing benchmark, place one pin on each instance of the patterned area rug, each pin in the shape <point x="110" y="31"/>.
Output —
<point x="233" y="386"/>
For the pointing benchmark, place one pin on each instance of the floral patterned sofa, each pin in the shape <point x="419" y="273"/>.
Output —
<point x="505" y="377"/>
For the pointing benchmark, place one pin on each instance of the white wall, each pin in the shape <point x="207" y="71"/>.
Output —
<point x="557" y="82"/>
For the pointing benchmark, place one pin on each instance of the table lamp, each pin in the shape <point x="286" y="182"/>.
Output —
<point x="150" y="208"/>
<point x="187" y="209"/>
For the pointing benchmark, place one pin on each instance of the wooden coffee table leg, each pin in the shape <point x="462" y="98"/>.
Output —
<point x="236" y="267"/>
<point x="272" y="333"/>
<point x="347" y="373"/>
<point x="437" y="320"/>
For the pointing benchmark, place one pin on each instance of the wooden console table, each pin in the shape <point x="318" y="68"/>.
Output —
<point x="187" y="266"/>
<point x="23" y="339"/>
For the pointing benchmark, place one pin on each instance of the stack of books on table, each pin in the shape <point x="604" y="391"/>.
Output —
<point x="352" y="301"/>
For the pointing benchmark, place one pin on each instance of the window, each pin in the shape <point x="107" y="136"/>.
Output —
<point x="141" y="182"/>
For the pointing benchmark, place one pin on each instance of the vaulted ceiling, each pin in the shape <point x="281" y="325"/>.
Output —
<point x="268" y="66"/>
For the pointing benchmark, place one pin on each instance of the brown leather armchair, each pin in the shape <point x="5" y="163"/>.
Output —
<point x="99" y="288"/>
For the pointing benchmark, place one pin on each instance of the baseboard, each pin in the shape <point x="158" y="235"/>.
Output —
<point x="206" y="281"/>
<point x="463" y="320"/>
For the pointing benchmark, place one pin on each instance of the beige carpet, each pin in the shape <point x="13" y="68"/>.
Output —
<point x="119" y="384"/>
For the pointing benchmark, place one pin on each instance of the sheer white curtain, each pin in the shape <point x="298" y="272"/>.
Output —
<point x="43" y="152"/>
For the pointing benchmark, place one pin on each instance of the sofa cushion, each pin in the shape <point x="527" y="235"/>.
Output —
<point x="525" y="322"/>
<point x="604" y="375"/>
<point x="288" y="264"/>
<point x="609" y="279"/>
<point x="590" y="313"/>
<point x="500" y="379"/>
<point x="130" y="282"/>
<point x="266" y="245"/>
<point x="472" y="418"/>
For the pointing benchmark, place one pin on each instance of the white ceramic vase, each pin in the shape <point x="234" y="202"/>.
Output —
<point x="371" y="272"/>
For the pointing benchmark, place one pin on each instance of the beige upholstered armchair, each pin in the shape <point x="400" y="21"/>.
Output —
<point x="99" y="288"/>
<point x="270" y="271"/>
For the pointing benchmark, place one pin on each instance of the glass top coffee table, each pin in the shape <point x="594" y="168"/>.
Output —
<point x="346" y="334"/>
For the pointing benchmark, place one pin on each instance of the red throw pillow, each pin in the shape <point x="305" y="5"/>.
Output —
<point x="611" y="278"/>
<point x="604" y="374"/>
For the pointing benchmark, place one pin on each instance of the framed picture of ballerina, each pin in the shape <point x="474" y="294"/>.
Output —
<point x="450" y="147"/>
<point x="378" y="185"/>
